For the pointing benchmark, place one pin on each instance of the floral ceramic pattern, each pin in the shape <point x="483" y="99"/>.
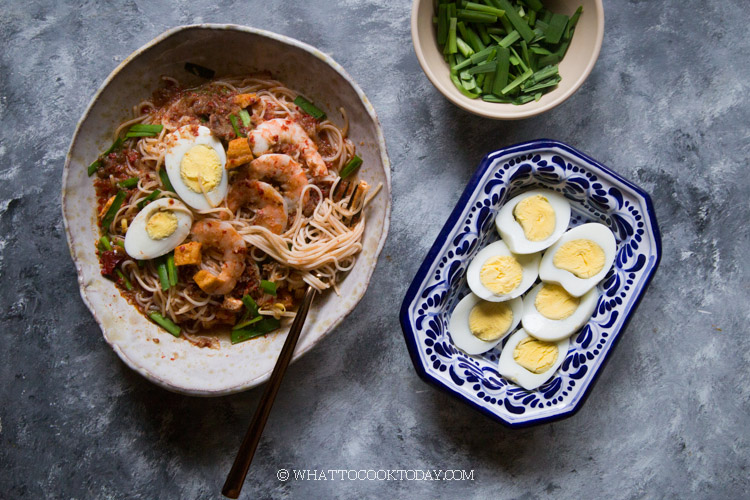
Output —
<point x="596" y="194"/>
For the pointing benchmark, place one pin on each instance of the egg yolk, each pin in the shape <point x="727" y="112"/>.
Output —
<point x="536" y="217"/>
<point x="553" y="302"/>
<point x="583" y="258"/>
<point x="161" y="224"/>
<point x="535" y="355"/>
<point x="501" y="274"/>
<point x="200" y="169"/>
<point x="488" y="321"/>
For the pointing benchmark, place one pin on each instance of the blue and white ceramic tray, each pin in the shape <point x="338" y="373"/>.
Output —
<point x="596" y="193"/>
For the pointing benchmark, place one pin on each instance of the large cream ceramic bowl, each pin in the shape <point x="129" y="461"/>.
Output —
<point x="174" y="363"/>
<point x="574" y="68"/>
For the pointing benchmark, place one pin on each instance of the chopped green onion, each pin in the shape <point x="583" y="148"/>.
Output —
<point x="309" y="108"/>
<point x="105" y="243"/>
<point x="165" y="323"/>
<point x="476" y="17"/>
<point x="113" y="209"/>
<point x="94" y="167"/>
<point x="143" y="130"/>
<point x="516" y="20"/>
<point x="165" y="182"/>
<point x="484" y="8"/>
<point x="442" y="27"/>
<point x="171" y="270"/>
<point x="161" y="269"/>
<point x="235" y="125"/>
<point x="572" y="23"/>
<point x="199" y="70"/>
<point x="483" y="68"/>
<point x="518" y="81"/>
<point x="245" y="117"/>
<point x="556" y="28"/>
<point x="148" y="199"/>
<point x="450" y="46"/>
<point x="125" y="280"/>
<point x="510" y="39"/>
<point x="501" y="71"/>
<point x="262" y="327"/>
<point x="250" y="305"/>
<point x="463" y="47"/>
<point x="128" y="183"/>
<point x="462" y="89"/>
<point x="268" y="286"/>
<point x="114" y="147"/>
<point x="350" y="166"/>
<point x="243" y="324"/>
<point x="535" y="5"/>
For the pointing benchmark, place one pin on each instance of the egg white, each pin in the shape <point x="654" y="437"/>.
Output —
<point x="552" y="330"/>
<point x="599" y="234"/>
<point x="529" y="264"/>
<point x="139" y="245"/>
<point x="512" y="232"/>
<point x="508" y="368"/>
<point x="179" y="142"/>
<point x="458" y="327"/>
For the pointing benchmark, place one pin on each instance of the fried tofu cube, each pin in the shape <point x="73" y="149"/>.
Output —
<point x="187" y="254"/>
<point x="207" y="281"/>
<point x="238" y="153"/>
<point x="245" y="100"/>
<point x="232" y="304"/>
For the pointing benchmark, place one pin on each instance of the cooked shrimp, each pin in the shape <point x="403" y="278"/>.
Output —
<point x="223" y="236"/>
<point x="283" y="170"/>
<point x="271" y="133"/>
<point x="268" y="204"/>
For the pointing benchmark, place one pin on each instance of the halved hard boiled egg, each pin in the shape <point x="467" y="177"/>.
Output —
<point x="580" y="259"/>
<point x="195" y="162"/>
<point x="158" y="229"/>
<point x="532" y="221"/>
<point x="476" y="326"/>
<point x="530" y="362"/>
<point x="550" y="313"/>
<point x="496" y="274"/>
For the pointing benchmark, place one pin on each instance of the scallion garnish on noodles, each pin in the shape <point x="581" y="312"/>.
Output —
<point x="171" y="269"/>
<point x="125" y="280"/>
<point x="143" y="130"/>
<point x="109" y="216"/>
<point x="148" y="199"/>
<point x="265" y="325"/>
<point x="245" y="118"/>
<point x="350" y="166"/>
<point x="165" y="179"/>
<point x="165" y="323"/>
<point x="309" y="108"/>
<point x="161" y="269"/>
<point x="268" y="287"/>
<point x="128" y="183"/>
<point x="235" y="125"/>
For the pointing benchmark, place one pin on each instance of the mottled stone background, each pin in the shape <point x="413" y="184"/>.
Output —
<point x="666" y="106"/>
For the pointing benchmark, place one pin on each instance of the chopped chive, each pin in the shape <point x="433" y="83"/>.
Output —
<point x="484" y="8"/>
<point x="309" y="108"/>
<point x="128" y="183"/>
<point x="268" y="286"/>
<point x="463" y="47"/>
<point x="198" y="70"/>
<point x="144" y="130"/>
<point x="250" y="305"/>
<point x="556" y="28"/>
<point x="165" y="323"/>
<point x="516" y="20"/>
<point x="457" y="82"/>
<point x="572" y="23"/>
<point x="125" y="280"/>
<point x="94" y="167"/>
<point x="543" y="85"/>
<point x="245" y="117"/>
<point x="535" y="5"/>
<point x="483" y="68"/>
<point x="165" y="182"/>
<point x="450" y="45"/>
<point x="483" y="35"/>
<point x="518" y="81"/>
<point x="475" y="16"/>
<point x="540" y="50"/>
<point x="442" y="27"/>
<point x="496" y="99"/>
<point x="114" y="147"/>
<point x="243" y="324"/>
<point x="235" y="125"/>
<point x="148" y="199"/>
<point x="501" y="71"/>
<point x="105" y="242"/>
<point x="113" y="209"/>
<point x="509" y="40"/>
<point x="171" y="269"/>
<point x="161" y="269"/>
<point x="262" y="327"/>
<point x="543" y="74"/>
<point x="350" y="166"/>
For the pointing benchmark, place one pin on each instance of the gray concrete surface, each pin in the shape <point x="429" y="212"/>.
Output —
<point x="666" y="106"/>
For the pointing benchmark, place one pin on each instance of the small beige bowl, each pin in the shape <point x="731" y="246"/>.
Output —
<point x="574" y="68"/>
